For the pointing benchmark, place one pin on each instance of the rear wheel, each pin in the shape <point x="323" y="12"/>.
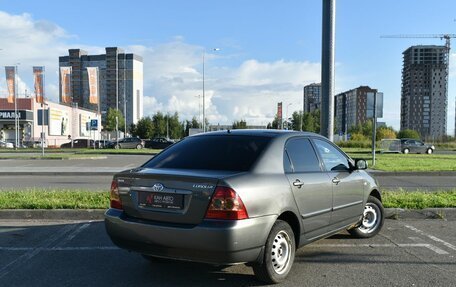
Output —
<point x="406" y="151"/>
<point x="373" y="218"/>
<point x="117" y="146"/>
<point x="139" y="146"/>
<point x="278" y="255"/>
<point x="429" y="151"/>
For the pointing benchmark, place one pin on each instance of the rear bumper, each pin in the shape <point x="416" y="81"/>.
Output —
<point x="212" y="241"/>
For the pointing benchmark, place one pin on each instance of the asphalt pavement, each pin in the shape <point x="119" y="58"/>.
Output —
<point x="79" y="253"/>
<point x="96" y="174"/>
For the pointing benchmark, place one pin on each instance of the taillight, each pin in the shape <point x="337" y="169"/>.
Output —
<point x="114" y="195"/>
<point x="226" y="204"/>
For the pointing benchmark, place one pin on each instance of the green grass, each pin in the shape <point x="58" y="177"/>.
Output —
<point x="410" y="162"/>
<point x="39" y="198"/>
<point x="419" y="199"/>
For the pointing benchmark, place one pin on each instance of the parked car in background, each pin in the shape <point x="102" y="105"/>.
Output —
<point x="101" y="143"/>
<point x="242" y="196"/>
<point x="4" y="144"/>
<point x="136" y="143"/>
<point x="158" y="143"/>
<point x="78" y="143"/>
<point x="34" y="144"/>
<point x="416" y="146"/>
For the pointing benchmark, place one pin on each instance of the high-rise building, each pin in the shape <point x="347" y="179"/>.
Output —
<point x="312" y="97"/>
<point x="120" y="81"/>
<point x="351" y="108"/>
<point x="424" y="95"/>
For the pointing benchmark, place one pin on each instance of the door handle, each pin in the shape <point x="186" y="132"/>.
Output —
<point x="336" y="180"/>
<point x="298" y="183"/>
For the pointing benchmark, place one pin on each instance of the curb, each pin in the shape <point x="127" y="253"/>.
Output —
<point x="53" y="214"/>
<point x="98" y="214"/>
<point x="427" y="213"/>
<point x="411" y="173"/>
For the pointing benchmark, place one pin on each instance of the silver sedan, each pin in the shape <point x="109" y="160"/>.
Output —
<point x="242" y="196"/>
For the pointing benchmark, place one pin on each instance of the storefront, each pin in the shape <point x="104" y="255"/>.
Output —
<point x="61" y="122"/>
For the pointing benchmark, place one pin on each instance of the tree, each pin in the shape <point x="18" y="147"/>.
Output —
<point x="111" y="120"/>
<point x="385" y="133"/>
<point x="316" y="118"/>
<point x="296" y="121"/>
<point x="408" y="134"/>
<point x="143" y="129"/>
<point x="275" y="124"/>
<point x="242" y="124"/>
<point x="174" y="126"/>
<point x="308" y="123"/>
<point x="159" y="125"/>
<point x="193" y="124"/>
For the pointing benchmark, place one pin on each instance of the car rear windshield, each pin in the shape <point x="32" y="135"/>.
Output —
<point x="230" y="152"/>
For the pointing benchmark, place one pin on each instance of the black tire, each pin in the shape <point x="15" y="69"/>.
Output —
<point x="117" y="146"/>
<point x="373" y="219"/>
<point x="405" y="151"/>
<point x="429" y="151"/>
<point x="278" y="256"/>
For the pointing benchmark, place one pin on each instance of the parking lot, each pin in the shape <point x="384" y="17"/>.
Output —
<point x="70" y="253"/>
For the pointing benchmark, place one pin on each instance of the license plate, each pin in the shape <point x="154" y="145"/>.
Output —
<point x="161" y="200"/>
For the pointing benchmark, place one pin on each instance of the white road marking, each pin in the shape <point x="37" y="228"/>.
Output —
<point x="21" y="260"/>
<point x="436" y="239"/>
<point x="425" y="245"/>
<point x="74" y="233"/>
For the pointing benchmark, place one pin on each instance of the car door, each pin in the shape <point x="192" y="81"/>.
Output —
<point x="311" y="186"/>
<point x="348" y="183"/>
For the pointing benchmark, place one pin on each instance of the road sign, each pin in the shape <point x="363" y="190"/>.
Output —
<point x="94" y="124"/>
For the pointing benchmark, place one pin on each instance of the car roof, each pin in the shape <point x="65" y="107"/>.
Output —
<point x="258" y="132"/>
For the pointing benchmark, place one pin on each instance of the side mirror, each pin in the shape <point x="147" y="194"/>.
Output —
<point x="360" y="164"/>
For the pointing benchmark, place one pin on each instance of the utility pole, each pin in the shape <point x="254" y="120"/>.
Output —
<point x="327" y="69"/>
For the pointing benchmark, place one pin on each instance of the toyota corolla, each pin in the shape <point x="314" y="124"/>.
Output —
<point x="242" y="196"/>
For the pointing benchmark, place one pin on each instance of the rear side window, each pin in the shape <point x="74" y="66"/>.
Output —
<point x="231" y="153"/>
<point x="302" y="155"/>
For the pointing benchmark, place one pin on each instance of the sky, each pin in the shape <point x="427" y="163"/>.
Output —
<point x="268" y="49"/>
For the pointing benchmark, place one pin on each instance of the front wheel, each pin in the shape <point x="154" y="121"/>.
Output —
<point x="406" y="151"/>
<point x="373" y="218"/>
<point x="279" y="254"/>
<point x="429" y="151"/>
<point x="139" y="146"/>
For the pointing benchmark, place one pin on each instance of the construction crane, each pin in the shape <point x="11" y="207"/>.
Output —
<point x="447" y="37"/>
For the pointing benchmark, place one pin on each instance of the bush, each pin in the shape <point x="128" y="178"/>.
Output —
<point x="408" y="134"/>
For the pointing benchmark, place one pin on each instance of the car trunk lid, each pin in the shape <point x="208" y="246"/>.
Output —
<point x="168" y="195"/>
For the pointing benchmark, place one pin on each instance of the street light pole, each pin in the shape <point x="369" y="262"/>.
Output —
<point x="204" y="100"/>
<point x="204" y="94"/>
<point x="16" y="119"/>
<point x="286" y="119"/>
<point x="125" y="100"/>
<point x="303" y="107"/>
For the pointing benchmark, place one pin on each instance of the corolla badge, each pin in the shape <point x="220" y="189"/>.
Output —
<point x="157" y="187"/>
